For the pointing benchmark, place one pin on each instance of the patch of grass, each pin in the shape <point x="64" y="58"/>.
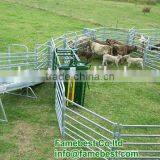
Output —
<point x="26" y="25"/>
<point x="102" y="12"/>
<point x="6" y="147"/>
<point x="149" y="2"/>
<point x="125" y="102"/>
<point x="31" y="128"/>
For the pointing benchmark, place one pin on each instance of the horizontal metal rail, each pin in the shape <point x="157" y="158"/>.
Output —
<point x="148" y="151"/>
<point x="140" y="135"/>
<point x="140" y="126"/>
<point x="17" y="60"/>
<point x="88" y="128"/>
<point x="86" y="134"/>
<point x="138" y="143"/>
<point x="16" y="65"/>
<point x="90" y="121"/>
<point x="15" y="56"/>
<point x="93" y="113"/>
<point x="18" y="45"/>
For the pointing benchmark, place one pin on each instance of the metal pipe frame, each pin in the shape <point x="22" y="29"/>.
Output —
<point x="121" y="34"/>
<point x="90" y="121"/>
<point x="117" y="133"/>
<point x="4" y="119"/>
<point x="88" y="128"/>
<point x="26" y="92"/>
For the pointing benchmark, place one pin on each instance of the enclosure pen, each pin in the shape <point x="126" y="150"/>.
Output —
<point x="60" y="54"/>
<point x="74" y="123"/>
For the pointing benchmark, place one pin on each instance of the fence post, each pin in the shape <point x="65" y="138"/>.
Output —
<point x="3" y="112"/>
<point x="117" y="133"/>
<point x="85" y="32"/>
<point x="128" y="38"/>
<point x="76" y="40"/>
<point x="49" y="55"/>
<point x="63" y="118"/>
<point x="53" y="50"/>
<point x="27" y="60"/>
<point x="145" y="52"/>
<point x="9" y="58"/>
<point x="36" y="57"/>
<point x="104" y="34"/>
<point x="61" y="106"/>
<point x="131" y="35"/>
<point x="117" y="130"/>
<point x="64" y="42"/>
<point x="63" y="114"/>
<point x="93" y="36"/>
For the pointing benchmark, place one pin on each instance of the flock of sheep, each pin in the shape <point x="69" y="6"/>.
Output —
<point x="110" y="50"/>
<point x="114" y="51"/>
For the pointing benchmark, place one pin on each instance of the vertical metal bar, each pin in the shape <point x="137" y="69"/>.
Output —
<point x="104" y="34"/>
<point x="76" y="40"/>
<point x="145" y="53"/>
<point x="129" y="36"/>
<point x="36" y="57"/>
<point x="9" y="58"/>
<point x="49" y="55"/>
<point x="63" y="114"/>
<point x="64" y="42"/>
<point x="3" y="112"/>
<point x="27" y="62"/>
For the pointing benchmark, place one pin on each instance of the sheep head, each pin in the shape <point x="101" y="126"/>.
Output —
<point x="126" y="56"/>
<point x="135" y="48"/>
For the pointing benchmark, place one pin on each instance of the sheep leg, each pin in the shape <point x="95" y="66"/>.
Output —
<point x="142" y="65"/>
<point x="116" y="63"/>
<point x="104" y="62"/>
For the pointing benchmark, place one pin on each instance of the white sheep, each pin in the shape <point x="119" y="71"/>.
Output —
<point x="110" y="58"/>
<point x="100" y="49"/>
<point x="131" y="60"/>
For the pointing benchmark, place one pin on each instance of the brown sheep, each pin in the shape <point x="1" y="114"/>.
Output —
<point x="109" y="42"/>
<point x="146" y="10"/>
<point x="85" y="51"/>
<point x="112" y="42"/>
<point x="118" y="47"/>
<point x="123" y="49"/>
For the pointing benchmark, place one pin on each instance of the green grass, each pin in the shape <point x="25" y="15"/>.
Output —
<point x="105" y="13"/>
<point x="26" y="25"/>
<point x="125" y="102"/>
<point x="32" y="123"/>
<point x="148" y="2"/>
<point x="31" y="126"/>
